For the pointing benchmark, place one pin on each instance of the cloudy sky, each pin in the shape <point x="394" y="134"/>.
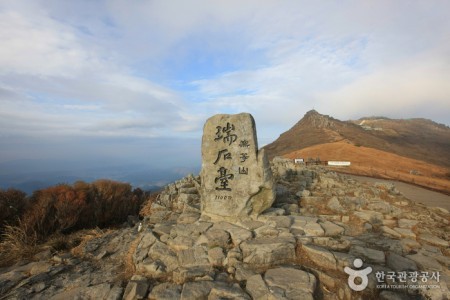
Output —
<point x="120" y="79"/>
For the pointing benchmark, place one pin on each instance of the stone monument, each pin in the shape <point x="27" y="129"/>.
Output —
<point x="236" y="179"/>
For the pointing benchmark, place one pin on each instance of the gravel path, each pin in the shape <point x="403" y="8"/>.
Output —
<point x="413" y="192"/>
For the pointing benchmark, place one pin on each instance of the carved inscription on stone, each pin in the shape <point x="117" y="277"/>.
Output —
<point x="236" y="177"/>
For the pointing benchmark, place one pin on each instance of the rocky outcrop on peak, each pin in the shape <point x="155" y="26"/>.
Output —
<point x="319" y="224"/>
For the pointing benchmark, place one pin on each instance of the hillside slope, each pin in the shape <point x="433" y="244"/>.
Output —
<point x="419" y="139"/>
<point x="376" y="163"/>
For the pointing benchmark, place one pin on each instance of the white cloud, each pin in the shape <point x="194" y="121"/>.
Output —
<point x="109" y="68"/>
<point x="69" y="84"/>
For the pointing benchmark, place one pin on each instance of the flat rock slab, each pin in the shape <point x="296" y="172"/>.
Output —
<point x="236" y="179"/>
<point x="372" y="255"/>
<point x="432" y="240"/>
<point x="320" y="256"/>
<point x="425" y="263"/>
<point x="296" y="284"/>
<point x="331" y="229"/>
<point x="266" y="252"/>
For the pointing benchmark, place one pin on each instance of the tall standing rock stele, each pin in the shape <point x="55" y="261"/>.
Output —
<point x="236" y="179"/>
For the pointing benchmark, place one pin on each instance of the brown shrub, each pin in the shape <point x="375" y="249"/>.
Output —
<point x="113" y="202"/>
<point x="12" y="205"/>
<point x="65" y="208"/>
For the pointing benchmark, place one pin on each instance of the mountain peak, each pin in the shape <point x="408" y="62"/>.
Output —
<point x="413" y="138"/>
<point x="314" y="119"/>
<point x="312" y="112"/>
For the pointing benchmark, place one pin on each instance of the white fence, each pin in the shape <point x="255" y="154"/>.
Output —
<point x="339" y="163"/>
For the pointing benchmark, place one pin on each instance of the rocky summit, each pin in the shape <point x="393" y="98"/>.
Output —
<point x="325" y="236"/>
<point x="319" y="224"/>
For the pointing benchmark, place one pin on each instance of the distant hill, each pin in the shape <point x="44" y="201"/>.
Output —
<point x="419" y="139"/>
<point x="411" y="150"/>
<point x="380" y="164"/>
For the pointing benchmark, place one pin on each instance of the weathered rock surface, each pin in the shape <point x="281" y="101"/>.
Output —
<point x="236" y="179"/>
<point x="281" y="254"/>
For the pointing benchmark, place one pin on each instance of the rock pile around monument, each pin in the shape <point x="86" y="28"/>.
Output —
<point x="320" y="225"/>
<point x="297" y="249"/>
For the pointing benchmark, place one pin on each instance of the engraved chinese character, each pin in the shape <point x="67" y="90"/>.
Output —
<point x="244" y="157"/>
<point x="223" y="179"/>
<point x="243" y="170"/>
<point x="244" y="144"/>
<point x="229" y="137"/>
<point x="225" y="153"/>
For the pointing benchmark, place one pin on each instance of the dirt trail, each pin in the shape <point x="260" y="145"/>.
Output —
<point x="412" y="192"/>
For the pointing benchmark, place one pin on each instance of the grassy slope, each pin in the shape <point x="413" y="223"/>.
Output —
<point x="377" y="163"/>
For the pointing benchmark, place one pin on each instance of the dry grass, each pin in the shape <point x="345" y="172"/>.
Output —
<point x="376" y="163"/>
<point x="17" y="244"/>
<point x="128" y="267"/>
<point x="83" y="237"/>
<point x="146" y="209"/>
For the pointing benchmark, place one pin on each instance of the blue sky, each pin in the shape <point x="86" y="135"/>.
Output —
<point x="85" y="78"/>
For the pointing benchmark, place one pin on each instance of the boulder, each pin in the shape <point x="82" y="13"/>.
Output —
<point x="266" y="252"/>
<point x="236" y="179"/>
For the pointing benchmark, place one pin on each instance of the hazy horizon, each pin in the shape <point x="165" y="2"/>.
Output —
<point x="97" y="84"/>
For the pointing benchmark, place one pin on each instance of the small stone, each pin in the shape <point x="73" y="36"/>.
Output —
<point x="406" y="232"/>
<point x="154" y="269"/>
<point x="308" y="225"/>
<point x="135" y="290"/>
<point x="216" y="256"/>
<point x="331" y="229"/>
<point x="425" y="263"/>
<point x="102" y="254"/>
<point x="409" y="245"/>
<point x="40" y="267"/>
<point x="390" y="232"/>
<point x="273" y="211"/>
<point x="242" y="273"/>
<point x="325" y="279"/>
<point x="320" y="256"/>
<point x="237" y="233"/>
<point x="196" y="290"/>
<point x="165" y="291"/>
<point x="372" y="255"/>
<point x="257" y="288"/>
<point x="219" y="291"/>
<point x="372" y="217"/>
<point x="297" y="284"/>
<point x="195" y="256"/>
<point x="280" y="221"/>
<point x="217" y="238"/>
<point x="433" y="240"/>
<point x="264" y="252"/>
<point x="406" y="223"/>
<point x="188" y="218"/>
<point x="182" y="275"/>
<point x="368" y="226"/>
<point x="162" y="252"/>
<point x="399" y="263"/>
